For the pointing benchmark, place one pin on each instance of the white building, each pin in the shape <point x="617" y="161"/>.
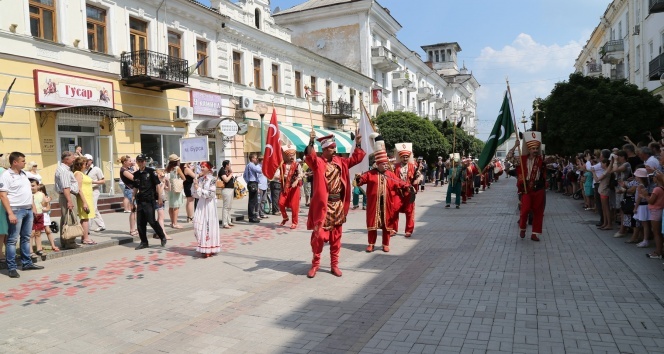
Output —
<point x="627" y="44"/>
<point x="362" y="35"/>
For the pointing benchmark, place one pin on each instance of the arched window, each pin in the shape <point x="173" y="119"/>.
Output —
<point x="257" y="17"/>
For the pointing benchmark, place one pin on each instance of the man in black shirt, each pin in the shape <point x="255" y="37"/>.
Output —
<point x="633" y="160"/>
<point x="145" y="194"/>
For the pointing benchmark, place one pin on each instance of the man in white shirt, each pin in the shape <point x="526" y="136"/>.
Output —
<point x="16" y="197"/>
<point x="97" y="177"/>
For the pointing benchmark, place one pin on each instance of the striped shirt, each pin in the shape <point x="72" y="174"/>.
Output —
<point x="64" y="179"/>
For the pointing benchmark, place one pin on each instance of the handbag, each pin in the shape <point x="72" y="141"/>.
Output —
<point x="72" y="228"/>
<point x="220" y="183"/>
<point x="627" y="204"/>
<point x="240" y="188"/>
<point x="177" y="186"/>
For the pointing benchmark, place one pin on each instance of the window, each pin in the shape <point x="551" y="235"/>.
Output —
<point x="430" y="56"/>
<point x="201" y="54"/>
<point x="620" y="36"/>
<point x="298" y="84"/>
<point x="138" y="35"/>
<point x="96" y="29"/>
<point x="42" y="19"/>
<point x="174" y="44"/>
<point x="275" y="78"/>
<point x="159" y="146"/>
<point x="352" y="98"/>
<point x="237" y="67"/>
<point x="442" y="56"/>
<point x="313" y="89"/>
<point x="437" y="57"/>
<point x="257" y="73"/>
<point x="257" y="18"/>
<point x="637" y="64"/>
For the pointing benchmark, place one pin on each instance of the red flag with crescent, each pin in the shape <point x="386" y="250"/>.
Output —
<point x="272" y="157"/>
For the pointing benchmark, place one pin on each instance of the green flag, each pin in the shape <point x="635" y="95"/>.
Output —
<point x="501" y="131"/>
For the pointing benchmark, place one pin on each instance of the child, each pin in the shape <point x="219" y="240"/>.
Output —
<point x="357" y="191"/>
<point x="161" y="187"/>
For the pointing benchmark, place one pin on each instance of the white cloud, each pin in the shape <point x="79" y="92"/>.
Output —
<point x="532" y="68"/>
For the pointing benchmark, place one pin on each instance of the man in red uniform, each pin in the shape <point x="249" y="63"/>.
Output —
<point x="467" y="184"/>
<point x="530" y="172"/>
<point x="380" y="209"/>
<point x="408" y="172"/>
<point x="330" y="198"/>
<point x="291" y="174"/>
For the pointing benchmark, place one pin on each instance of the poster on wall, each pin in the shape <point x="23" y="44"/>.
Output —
<point x="377" y="96"/>
<point x="194" y="149"/>
<point x="66" y="90"/>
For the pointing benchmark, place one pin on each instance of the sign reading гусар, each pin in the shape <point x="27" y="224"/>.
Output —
<point x="66" y="90"/>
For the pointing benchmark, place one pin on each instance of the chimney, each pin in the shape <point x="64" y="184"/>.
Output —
<point x="215" y="4"/>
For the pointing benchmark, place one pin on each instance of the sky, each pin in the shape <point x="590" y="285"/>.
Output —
<point x="533" y="43"/>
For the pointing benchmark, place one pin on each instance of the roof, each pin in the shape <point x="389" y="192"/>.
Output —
<point x="444" y="44"/>
<point x="312" y="4"/>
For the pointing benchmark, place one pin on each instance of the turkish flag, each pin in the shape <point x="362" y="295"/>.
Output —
<point x="272" y="157"/>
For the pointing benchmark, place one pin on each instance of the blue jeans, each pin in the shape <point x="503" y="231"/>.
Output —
<point x="22" y="229"/>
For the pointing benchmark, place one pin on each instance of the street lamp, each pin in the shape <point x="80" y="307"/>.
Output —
<point x="537" y="112"/>
<point x="261" y="109"/>
<point x="523" y="119"/>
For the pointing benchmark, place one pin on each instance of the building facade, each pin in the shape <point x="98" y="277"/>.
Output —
<point x="627" y="44"/>
<point x="127" y="77"/>
<point x="362" y="35"/>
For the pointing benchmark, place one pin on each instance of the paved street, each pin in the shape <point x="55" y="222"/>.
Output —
<point x="464" y="283"/>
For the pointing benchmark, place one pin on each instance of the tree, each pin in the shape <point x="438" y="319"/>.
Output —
<point x="400" y="127"/>
<point x="464" y="143"/>
<point x="588" y="113"/>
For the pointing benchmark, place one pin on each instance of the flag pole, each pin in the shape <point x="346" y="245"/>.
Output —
<point x="523" y="174"/>
<point x="364" y="108"/>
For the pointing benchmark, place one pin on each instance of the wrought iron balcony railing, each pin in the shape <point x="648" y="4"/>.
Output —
<point x="656" y="67"/>
<point x="594" y="67"/>
<point x="613" y="46"/>
<point x="152" y="70"/>
<point x="656" y="6"/>
<point x="337" y="109"/>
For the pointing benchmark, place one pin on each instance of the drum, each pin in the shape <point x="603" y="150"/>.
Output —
<point x="497" y="170"/>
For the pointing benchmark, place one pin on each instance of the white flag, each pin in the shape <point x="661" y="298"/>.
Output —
<point x="365" y="129"/>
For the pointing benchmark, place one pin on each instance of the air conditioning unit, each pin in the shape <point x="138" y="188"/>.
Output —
<point x="185" y="113"/>
<point x="246" y="103"/>
<point x="343" y="121"/>
<point x="637" y="30"/>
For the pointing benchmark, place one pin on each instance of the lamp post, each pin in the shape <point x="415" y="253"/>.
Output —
<point x="537" y="111"/>
<point x="261" y="109"/>
<point x="523" y="119"/>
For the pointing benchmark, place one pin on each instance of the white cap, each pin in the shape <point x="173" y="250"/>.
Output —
<point x="88" y="156"/>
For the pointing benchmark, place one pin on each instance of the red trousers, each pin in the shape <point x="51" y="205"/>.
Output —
<point x="409" y="210"/>
<point x="535" y="202"/>
<point x="290" y="199"/>
<point x="373" y="236"/>
<point x="318" y="239"/>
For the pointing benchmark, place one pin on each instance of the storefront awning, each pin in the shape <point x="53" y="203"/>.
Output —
<point x="208" y="126"/>
<point x="72" y="115"/>
<point x="299" y="136"/>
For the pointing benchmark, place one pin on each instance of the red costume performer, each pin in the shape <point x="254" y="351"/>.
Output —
<point x="408" y="172"/>
<point x="380" y="202"/>
<point x="291" y="174"/>
<point x="530" y="172"/>
<point x="330" y="198"/>
<point x="467" y="185"/>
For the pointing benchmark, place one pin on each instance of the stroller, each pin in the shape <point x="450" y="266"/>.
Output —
<point x="578" y="194"/>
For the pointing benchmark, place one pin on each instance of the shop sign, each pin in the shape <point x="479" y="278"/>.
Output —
<point x="206" y="104"/>
<point x="65" y="90"/>
<point x="228" y="127"/>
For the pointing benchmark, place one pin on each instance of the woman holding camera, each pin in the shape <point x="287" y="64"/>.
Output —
<point x="227" y="193"/>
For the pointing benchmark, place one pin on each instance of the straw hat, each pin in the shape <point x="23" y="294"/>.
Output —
<point x="173" y="157"/>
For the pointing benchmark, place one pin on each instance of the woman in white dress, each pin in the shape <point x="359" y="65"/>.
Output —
<point x="206" y="221"/>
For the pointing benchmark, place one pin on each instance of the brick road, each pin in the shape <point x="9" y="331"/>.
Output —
<point x="464" y="283"/>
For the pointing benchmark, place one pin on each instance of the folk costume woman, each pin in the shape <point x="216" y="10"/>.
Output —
<point x="206" y="221"/>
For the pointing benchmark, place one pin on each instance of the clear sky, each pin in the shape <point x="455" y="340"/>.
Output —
<point x="532" y="42"/>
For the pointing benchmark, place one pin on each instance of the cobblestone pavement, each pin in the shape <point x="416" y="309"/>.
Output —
<point x="463" y="283"/>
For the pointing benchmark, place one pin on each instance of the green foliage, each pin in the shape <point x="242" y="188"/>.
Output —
<point x="588" y="113"/>
<point x="404" y="127"/>
<point x="465" y="144"/>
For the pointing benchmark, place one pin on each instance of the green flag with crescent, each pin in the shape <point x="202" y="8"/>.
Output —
<point x="501" y="131"/>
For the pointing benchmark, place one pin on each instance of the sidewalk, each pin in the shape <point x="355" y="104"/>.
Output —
<point x="464" y="283"/>
<point x="117" y="231"/>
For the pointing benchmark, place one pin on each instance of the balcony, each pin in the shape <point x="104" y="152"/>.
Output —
<point x="337" y="109"/>
<point x="400" y="79"/>
<point x="613" y="52"/>
<point x="410" y="87"/>
<point x="656" y="6"/>
<point x="153" y="71"/>
<point x="424" y="93"/>
<point x="440" y="103"/>
<point x="656" y="67"/>
<point x="384" y="60"/>
<point x="399" y="107"/>
<point x="593" y="69"/>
